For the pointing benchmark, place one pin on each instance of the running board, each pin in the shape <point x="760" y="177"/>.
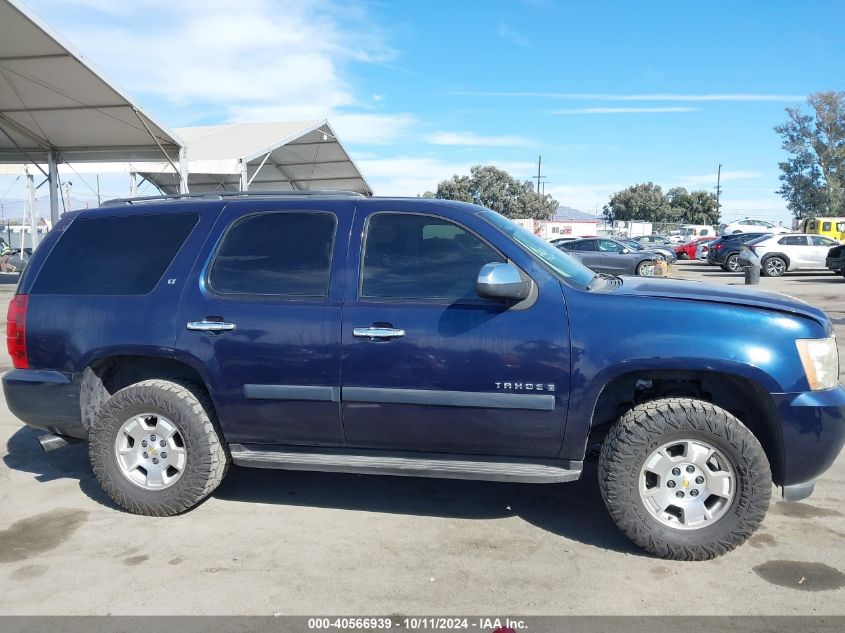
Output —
<point x="405" y="464"/>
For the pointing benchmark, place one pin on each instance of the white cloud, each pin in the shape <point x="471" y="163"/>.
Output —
<point x="284" y="58"/>
<point x="469" y="138"/>
<point x="507" y="33"/>
<point x="409" y="175"/>
<point x="596" y="96"/>
<point x="636" y="110"/>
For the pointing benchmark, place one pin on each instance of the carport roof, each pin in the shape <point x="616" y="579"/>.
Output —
<point x="269" y="156"/>
<point x="52" y="98"/>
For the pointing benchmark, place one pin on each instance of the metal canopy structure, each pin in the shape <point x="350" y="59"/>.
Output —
<point x="279" y="156"/>
<point x="55" y="106"/>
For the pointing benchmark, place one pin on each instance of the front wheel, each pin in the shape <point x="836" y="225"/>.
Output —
<point x="773" y="267"/>
<point x="156" y="449"/>
<point x="684" y="479"/>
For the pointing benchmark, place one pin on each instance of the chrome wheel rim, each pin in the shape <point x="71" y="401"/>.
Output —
<point x="150" y="451"/>
<point x="646" y="270"/>
<point x="733" y="263"/>
<point x="687" y="484"/>
<point x="775" y="267"/>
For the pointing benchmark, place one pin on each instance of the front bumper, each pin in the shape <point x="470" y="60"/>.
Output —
<point x="813" y="429"/>
<point x="47" y="400"/>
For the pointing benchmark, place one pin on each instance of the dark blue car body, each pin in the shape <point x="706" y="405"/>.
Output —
<point x="292" y="374"/>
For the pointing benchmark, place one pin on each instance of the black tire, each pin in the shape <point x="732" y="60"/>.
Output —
<point x="645" y="428"/>
<point x="641" y="266"/>
<point x="732" y="263"/>
<point x="773" y="266"/>
<point x="189" y="408"/>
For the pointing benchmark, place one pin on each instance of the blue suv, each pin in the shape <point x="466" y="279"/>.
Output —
<point x="393" y="336"/>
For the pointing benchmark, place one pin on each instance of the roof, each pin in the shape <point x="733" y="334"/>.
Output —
<point x="52" y="97"/>
<point x="271" y="156"/>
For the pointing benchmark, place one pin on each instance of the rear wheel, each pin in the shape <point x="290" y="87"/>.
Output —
<point x="773" y="266"/>
<point x="156" y="449"/>
<point x="732" y="264"/>
<point x="684" y="479"/>
<point x="645" y="268"/>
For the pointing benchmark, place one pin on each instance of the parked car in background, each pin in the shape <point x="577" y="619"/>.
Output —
<point x="780" y="254"/>
<point x="690" y="232"/>
<point x="688" y="250"/>
<point x="724" y="252"/>
<point x="749" y="225"/>
<point x="830" y="227"/>
<point x="667" y="252"/>
<point x="702" y="249"/>
<point x="612" y="257"/>
<point x="654" y="240"/>
<point x="560" y="240"/>
<point x="836" y="259"/>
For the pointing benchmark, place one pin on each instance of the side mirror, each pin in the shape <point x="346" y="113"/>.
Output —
<point x="626" y="251"/>
<point x="502" y="281"/>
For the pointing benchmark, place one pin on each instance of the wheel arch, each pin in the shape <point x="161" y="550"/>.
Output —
<point x="107" y="374"/>
<point x="742" y="396"/>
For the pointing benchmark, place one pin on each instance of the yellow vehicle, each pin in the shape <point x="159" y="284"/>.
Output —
<point x="831" y="227"/>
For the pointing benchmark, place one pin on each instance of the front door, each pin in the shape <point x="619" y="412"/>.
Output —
<point x="427" y="364"/>
<point x="263" y="320"/>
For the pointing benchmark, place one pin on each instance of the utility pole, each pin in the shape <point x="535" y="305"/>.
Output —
<point x="539" y="177"/>
<point x="718" y="187"/>
<point x="99" y="202"/>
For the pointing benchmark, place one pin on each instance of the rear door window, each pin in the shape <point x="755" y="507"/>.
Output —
<point x="793" y="240"/>
<point x="121" y="255"/>
<point x="276" y="253"/>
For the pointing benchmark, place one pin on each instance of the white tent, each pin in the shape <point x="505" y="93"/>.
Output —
<point x="55" y="106"/>
<point x="279" y="156"/>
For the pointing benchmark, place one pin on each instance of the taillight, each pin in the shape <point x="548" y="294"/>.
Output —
<point x="16" y="331"/>
<point x="717" y="247"/>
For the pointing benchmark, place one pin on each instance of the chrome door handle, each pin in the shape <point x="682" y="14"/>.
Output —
<point x="211" y="326"/>
<point x="378" y="332"/>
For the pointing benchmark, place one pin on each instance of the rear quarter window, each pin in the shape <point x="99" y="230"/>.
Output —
<point x="118" y="255"/>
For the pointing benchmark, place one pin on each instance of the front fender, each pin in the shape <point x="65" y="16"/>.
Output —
<point x="615" y="334"/>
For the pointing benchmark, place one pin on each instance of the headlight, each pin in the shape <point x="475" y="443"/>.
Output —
<point x="820" y="359"/>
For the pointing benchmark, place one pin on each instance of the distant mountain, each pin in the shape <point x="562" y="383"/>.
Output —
<point x="568" y="213"/>
<point x="14" y="208"/>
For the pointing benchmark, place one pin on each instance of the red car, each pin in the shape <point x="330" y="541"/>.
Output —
<point x="687" y="251"/>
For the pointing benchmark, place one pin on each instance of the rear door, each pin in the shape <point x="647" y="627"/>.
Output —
<point x="430" y="366"/>
<point x="261" y="318"/>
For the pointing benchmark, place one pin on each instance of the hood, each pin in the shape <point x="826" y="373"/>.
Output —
<point x="717" y="293"/>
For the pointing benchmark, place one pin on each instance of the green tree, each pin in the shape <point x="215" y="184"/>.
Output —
<point x="645" y="201"/>
<point x="692" y="207"/>
<point x="498" y="190"/>
<point x="813" y="177"/>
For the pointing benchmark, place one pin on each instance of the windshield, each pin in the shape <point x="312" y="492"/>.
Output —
<point x="565" y="266"/>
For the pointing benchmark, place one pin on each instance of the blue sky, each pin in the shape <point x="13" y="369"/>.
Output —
<point x="610" y="93"/>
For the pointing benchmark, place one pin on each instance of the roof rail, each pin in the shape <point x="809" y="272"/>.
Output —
<point x="220" y="195"/>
